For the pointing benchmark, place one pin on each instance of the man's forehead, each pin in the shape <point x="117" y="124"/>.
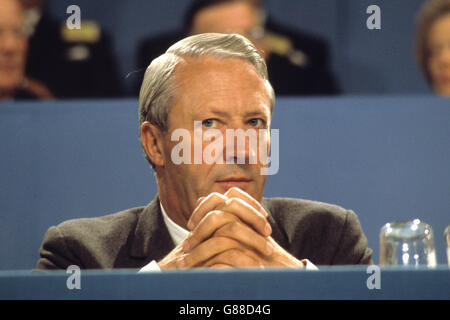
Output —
<point x="211" y="64"/>
<point x="219" y="85"/>
<point x="210" y="72"/>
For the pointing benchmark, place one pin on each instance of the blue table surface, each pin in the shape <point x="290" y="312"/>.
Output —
<point x="248" y="284"/>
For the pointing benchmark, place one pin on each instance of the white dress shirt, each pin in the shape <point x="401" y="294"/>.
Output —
<point x="178" y="234"/>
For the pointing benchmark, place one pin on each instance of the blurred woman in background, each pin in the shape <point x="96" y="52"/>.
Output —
<point x="433" y="44"/>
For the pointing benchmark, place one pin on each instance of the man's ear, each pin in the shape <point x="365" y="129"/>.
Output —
<point x="152" y="142"/>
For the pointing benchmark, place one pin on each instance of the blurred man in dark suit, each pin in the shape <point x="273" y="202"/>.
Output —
<point x="297" y="62"/>
<point x="74" y="63"/>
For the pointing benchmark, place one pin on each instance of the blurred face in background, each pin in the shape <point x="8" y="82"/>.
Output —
<point x="13" y="46"/>
<point x="240" y="17"/>
<point x="439" y="58"/>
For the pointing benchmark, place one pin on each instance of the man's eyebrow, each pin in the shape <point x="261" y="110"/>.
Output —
<point x="255" y="113"/>
<point x="224" y="114"/>
<point x="220" y="113"/>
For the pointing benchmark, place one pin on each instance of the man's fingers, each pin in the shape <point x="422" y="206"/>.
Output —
<point x="221" y="266"/>
<point x="206" y="205"/>
<point x="199" y="200"/>
<point x="213" y="221"/>
<point x="238" y="207"/>
<point x="207" y="250"/>
<point x="213" y="200"/>
<point x="238" y="193"/>
<point x="224" y="224"/>
<point x="247" y="214"/>
<point x="233" y="258"/>
<point x="240" y="232"/>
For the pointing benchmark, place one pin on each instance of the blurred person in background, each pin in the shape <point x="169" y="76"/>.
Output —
<point x="74" y="63"/>
<point x="14" y="36"/>
<point x="433" y="44"/>
<point x="298" y="63"/>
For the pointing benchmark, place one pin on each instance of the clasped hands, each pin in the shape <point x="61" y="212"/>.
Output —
<point x="228" y="231"/>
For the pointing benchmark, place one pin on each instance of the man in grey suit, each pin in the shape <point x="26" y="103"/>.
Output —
<point x="209" y="211"/>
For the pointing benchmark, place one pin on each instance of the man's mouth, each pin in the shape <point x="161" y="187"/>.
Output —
<point x="240" y="182"/>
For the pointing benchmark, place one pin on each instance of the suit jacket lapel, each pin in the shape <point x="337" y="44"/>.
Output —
<point x="151" y="240"/>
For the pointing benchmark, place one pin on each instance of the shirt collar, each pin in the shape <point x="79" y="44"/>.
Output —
<point x="176" y="232"/>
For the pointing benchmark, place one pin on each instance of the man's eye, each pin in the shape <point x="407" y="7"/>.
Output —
<point x="209" y="123"/>
<point x="257" y="122"/>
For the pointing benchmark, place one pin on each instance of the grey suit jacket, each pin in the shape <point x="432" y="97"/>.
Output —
<point x="323" y="233"/>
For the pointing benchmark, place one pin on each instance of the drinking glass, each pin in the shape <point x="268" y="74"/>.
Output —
<point x="447" y="241"/>
<point x="407" y="243"/>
